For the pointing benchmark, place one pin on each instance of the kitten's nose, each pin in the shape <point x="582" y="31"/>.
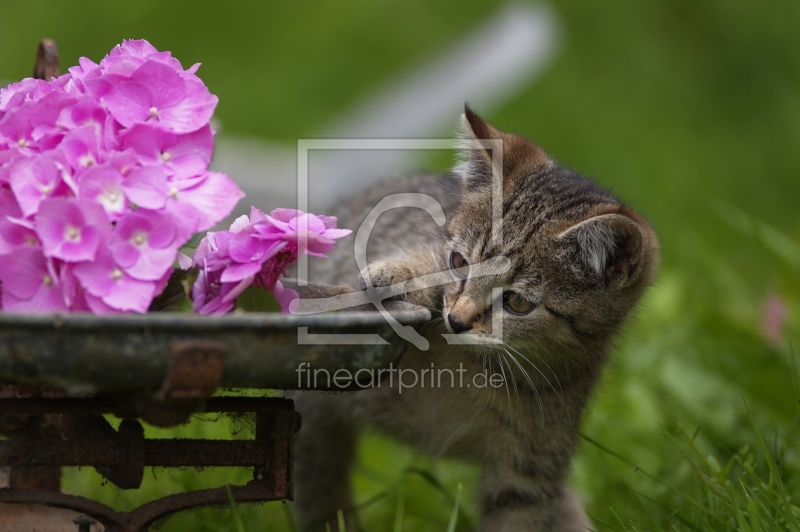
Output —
<point x="457" y="325"/>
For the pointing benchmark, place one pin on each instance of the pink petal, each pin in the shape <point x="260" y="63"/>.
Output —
<point x="193" y="112"/>
<point x="199" y="143"/>
<point x="97" y="276"/>
<point x="103" y="185"/>
<point x="336" y="233"/>
<point x="232" y="292"/>
<point x="166" y="86"/>
<point x="148" y="140"/>
<point x="96" y="217"/>
<point x="187" y="219"/>
<point x="8" y="204"/>
<point x="307" y="222"/>
<point x="59" y="216"/>
<point x="98" y="84"/>
<point x="239" y="224"/>
<point x="130" y="295"/>
<point x="85" y="112"/>
<point x="184" y="261"/>
<point x="328" y="221"/>
<point x="285" y="296"/>
<point x="246" y="248"/>
<point x="257" y="215"/>
<point x="23" y="273"/>
<point x="285" y="215"/>
<point x="162" y="234"/>
<point x="147" y="187"/>
<point x="152" y="263"/>
<point x="96" y="306"/>
<point x="215" y="197"/>
<point x="46" y="299"/>
<point x="129" y="103"/>
<point x="47" y="110"/>
<point x="134" y="47"/>
<point x="13" y="235"/>
<point x="237" y="272"/>
<point x="32" y="180"/>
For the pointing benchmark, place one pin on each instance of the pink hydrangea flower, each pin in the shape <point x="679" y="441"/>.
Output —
<point x="71" y="230"/>
<point x="181" y="156"/>
<point x="256" y="251"/>
<point x="156" y="93"/>
<point x="103" y="177"/>
<point x="107" y="281"/>
<point x="313" y="234"/>
<point x="103" y="185"/>
<point x="33" y="180"/>
<point x="144" y="244"/>
<point x="199" y="202"/>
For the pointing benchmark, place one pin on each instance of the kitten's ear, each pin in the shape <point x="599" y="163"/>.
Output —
<point x="484" y="149"/>
<point x="617" y="249"/>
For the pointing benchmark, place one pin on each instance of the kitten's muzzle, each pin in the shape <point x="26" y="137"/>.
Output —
<point x="457" y="325"/>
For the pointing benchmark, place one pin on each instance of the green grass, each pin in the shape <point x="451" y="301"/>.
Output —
<point x="688" y="109"/>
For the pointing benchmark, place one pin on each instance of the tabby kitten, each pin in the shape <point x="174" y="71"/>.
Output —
<point x="579" y="262"/>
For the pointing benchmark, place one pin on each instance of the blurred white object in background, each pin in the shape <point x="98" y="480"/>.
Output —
<point x="486" y="67"/>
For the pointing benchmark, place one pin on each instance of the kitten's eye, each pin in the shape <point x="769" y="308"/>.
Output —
<point x="516" y="304"/>
<point x="459" y="264"/>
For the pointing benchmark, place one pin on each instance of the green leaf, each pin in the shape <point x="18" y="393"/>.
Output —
<point x="256" y="299"/>
<point x="188" y="280"/>
<point x="174" y="297"/>
<point x="194" y="241"/>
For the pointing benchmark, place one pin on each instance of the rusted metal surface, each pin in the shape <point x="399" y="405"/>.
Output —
<point x="85" y="353"/>
<point x="140" y="519"/>
<point x="194" y="373"/>
<point x="138" y="452"/>
<point x="46" y="60"/>
<point x="34" y="478"/>
<point x="84" y="523"/>
<point x="122" y="455"/>
<point x="195" y="369"/>
<point x="275" y="429"/>
<point x="125" y="405"/>
<point x="26" y="426"/>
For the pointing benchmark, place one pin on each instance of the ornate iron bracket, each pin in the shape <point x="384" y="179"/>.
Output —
<point x="122" y="455"/>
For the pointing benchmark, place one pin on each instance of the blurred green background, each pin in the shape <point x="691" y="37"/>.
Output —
<point x="687" y="109"/>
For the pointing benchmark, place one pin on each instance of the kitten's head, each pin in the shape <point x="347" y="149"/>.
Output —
<point x="579" y="259"/>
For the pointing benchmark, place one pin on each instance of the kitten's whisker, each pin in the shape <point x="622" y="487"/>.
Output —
<point x="508" y="391"/>
<point x="513" y="381"/>
<point x="534" y="353"/>
<point x="453" y="192"/>
<point x="491" y="371"/>
<point x="420" y="231"/>
<point x="561" y="394"/>
<point x="533" y="387"/>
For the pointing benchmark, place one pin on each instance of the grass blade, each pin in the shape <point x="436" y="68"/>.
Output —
<point x="451" y="526"/>
<point x="237" y="518"/>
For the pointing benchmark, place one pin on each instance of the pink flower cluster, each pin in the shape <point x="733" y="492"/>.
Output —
<point x="103" y="177"/>
<point x="256" y="251"/>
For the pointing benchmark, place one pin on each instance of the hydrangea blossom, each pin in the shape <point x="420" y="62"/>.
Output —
<point x="256" y="251"/>
<point x="103" y="177"/>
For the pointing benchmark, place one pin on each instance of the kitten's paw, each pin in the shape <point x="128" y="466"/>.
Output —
<point x="384" y="274"/>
